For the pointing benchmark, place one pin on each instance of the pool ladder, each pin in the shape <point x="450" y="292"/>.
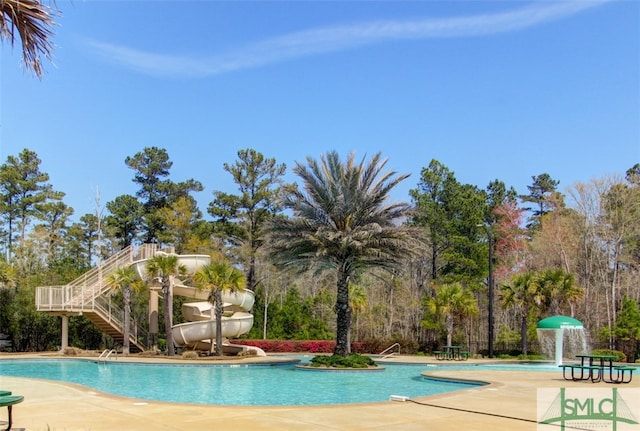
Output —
<point x="104" y="356"/>
<point x="388" y="355"/>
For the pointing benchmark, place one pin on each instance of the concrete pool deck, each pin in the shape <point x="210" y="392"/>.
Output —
<point x="507" y="403"/>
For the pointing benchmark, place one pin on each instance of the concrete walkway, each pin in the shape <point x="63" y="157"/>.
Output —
<point x="507" y="403"/>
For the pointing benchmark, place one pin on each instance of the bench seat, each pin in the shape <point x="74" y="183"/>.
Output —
<point x="595" y="373"/>
<point x="9" y="401"/>
<point x="621" y="371"/>
<point x="590" y="375"/>
<point x="586" y="367"/>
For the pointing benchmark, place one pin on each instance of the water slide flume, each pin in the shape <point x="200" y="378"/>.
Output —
<point x="199" y="332"/>
<point x="198" y="335"/>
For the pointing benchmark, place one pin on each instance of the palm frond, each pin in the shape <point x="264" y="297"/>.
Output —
<point x="342" y="218"/>
<point x="33" y="21"/>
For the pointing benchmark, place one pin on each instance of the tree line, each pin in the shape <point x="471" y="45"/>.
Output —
<point x="417" y="271"/>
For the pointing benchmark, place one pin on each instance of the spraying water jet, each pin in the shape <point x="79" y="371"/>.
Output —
<point x="552" y="331"/>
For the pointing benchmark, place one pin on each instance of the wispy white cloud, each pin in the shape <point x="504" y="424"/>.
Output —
<point x="338" y="38"/>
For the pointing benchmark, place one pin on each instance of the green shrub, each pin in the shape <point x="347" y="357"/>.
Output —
<point x="73" y="351"/>
<point x="533" y="357"/>
<point x="620" y="356"/>
<point x="334" y="361"/>
<point x="190" y="355"/>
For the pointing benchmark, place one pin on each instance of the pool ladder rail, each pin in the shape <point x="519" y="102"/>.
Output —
<point x="388" y="349"/>
<point x="106" y="354"/>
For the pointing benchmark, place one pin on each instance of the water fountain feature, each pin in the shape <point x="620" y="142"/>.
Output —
<point x="561" y="334"/>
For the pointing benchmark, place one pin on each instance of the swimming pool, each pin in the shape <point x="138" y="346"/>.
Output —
<point x="255" y="385"/>
<point x="497" y="366"/>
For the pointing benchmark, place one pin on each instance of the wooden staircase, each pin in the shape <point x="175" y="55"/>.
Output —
<point x="114" y="331"/>
<point x="90" y="296"/>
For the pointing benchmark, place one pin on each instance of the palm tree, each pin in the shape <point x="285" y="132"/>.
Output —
<point x="33" y="22"/>
<point x="125" y="280"/>
<point x="522" y="293"/>
<point x="558" y="288"/>
<point x="451" y="300"/>
<point x="342" y="222"/>
<point x="218" y="277"/>
<point x="164" y="267"/>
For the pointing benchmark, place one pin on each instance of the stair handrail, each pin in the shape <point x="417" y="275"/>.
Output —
<point x="83" y="290"/>
<point x="389" y="348"/>
<point x="89" y="291"/>
<point x="91" y="284"/>
<point x="111" y="312"/>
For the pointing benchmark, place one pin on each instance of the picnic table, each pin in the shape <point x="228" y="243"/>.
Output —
<point x="597" y="368"/>
<point x="451" y="353"/>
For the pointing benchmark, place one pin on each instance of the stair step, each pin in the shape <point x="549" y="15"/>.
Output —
<point x="89" y="289"/>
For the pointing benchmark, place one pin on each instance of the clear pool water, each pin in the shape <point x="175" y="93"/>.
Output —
<point x="234" y="385"/>
<point x="498" y="366"/>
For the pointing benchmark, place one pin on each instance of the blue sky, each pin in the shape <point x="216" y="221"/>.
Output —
<point x="493" y="90"/>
